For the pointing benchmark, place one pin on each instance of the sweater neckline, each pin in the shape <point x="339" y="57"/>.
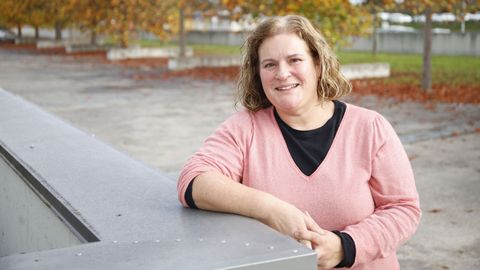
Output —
<point x="329" y="153"/>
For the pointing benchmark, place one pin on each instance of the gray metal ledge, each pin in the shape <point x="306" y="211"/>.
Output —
<point x="124" y="211"/>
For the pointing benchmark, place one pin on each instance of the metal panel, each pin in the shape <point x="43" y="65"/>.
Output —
<point x="104" y="194"/>
<point x="26" y="223"/>
<point x="164" y="254"/>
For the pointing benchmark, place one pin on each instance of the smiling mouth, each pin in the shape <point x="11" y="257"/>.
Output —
<point x="287" y="87"/>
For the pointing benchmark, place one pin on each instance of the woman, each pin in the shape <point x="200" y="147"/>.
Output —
<point x="332" y="175"/>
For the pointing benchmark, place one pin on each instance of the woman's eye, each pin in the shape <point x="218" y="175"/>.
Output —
<point x="295" y="60"/>
<point x="269" y="65"/>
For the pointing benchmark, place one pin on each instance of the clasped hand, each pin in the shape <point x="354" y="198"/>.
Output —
<point x="326" y="244"/>
<point x="289" y="220"/>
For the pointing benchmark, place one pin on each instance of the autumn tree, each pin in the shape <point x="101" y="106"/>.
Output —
<point x="374" y="7"/>
<point x="35" y="14"/>
<point x="186" y="9"/>
<point x="163" y="19"/>
<point x="91" y="15"/>
<point x="58" y="14"/>
<point x="428" y="7"/>
<point x="337" y="19"/>
<point x="128" y="17"/>
<point x="462" y="7"/>
<point x="13" y="13"/>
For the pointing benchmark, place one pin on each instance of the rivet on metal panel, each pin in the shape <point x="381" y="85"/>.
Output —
<point x="223" y="241"/>
<point x="79" y="254"/>
<point x="247" y="244"/>
<point x="135" y="242"/>
<point x="114" y="241"/>
<point x="157" y="241"/>
<point x="178" y="240"/>
<point x="200" y="239"/>
<point x="32" y="146"/>
<point x="271" y="247"/>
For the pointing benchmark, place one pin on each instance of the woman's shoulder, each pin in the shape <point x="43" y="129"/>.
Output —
<point x="245" y="116"/>
<point x="362" y="113"/>
<point x="368" y="120"/>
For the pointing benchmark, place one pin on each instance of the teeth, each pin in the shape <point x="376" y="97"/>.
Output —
<point x="287" y="87"/>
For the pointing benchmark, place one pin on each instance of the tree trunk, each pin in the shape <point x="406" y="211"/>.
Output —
<point x="462" y="18"/>
<point x="181" y="37"/>
<point x="93" y="37"/>
<point x="19" y="30"/>
<point x="93" y="33"/>
<point x="124" y="39"/>
<point x="58" y="30"/>
<point x="37" y="32"/>
<point x="427" y="52"/>
<point x="374" y="35"/>
<point x="124" y="24"/>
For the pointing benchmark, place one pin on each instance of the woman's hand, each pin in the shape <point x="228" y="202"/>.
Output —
<point x="287" y="219"/>
<point x="326" y="244"/>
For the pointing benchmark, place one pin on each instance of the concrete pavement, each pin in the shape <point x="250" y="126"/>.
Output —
<point x="162" y="122"/>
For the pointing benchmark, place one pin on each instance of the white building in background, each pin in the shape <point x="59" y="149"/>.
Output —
<point x="217" y="23"/>
<point x="436" y="17"/>
<point x="395" y="17"/>
<point x="392" y="22"/>
<point x="472" y="17"/>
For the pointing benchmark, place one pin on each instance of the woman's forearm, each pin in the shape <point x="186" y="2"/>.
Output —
<point x="214" y="191"/>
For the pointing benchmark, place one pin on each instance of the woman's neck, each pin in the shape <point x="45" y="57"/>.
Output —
<point x="314" y="118"/>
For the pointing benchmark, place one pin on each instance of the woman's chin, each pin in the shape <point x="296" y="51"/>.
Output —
<point x="287" y="107"/>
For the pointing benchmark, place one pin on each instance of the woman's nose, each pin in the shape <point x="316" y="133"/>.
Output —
<point x="283" y="72"/>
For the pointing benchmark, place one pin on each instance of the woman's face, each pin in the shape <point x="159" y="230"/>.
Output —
<point x="288" y="73"/>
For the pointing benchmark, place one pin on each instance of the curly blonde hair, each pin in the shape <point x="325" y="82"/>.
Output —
<point x="331" y="85"/>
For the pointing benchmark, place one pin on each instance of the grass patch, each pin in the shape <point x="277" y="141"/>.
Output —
<point x="456" y="70"/>
<point x="151" y="43"/>
<point x="203" y="49"/>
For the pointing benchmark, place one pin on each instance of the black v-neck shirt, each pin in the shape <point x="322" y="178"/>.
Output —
<point x="309" y="148"/>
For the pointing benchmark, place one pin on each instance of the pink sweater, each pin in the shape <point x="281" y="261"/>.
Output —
<point x="364" y="186"/>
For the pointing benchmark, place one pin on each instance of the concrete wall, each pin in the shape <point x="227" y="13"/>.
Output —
<point x="216" y="37"/>
<point x="443" y="44"/>
<point x="28" y="223"/>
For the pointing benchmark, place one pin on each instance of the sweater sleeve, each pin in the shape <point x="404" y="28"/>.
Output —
<point x="223" y="151"/>
<point x="397" y="209"/>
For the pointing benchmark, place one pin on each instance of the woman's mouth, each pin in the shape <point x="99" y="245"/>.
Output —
<point x="287" y="87"/>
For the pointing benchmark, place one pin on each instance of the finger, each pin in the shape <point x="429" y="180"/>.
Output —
<point x="307" y="235"/>
<point x="312" y="225"/>
<point x="306" y="243"/>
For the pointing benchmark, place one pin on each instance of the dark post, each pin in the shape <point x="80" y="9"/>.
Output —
<point x="181" y="37"/>
<point x="427" y="51"/>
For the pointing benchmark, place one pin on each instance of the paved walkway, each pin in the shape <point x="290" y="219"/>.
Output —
<point x="162" y="122"/>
